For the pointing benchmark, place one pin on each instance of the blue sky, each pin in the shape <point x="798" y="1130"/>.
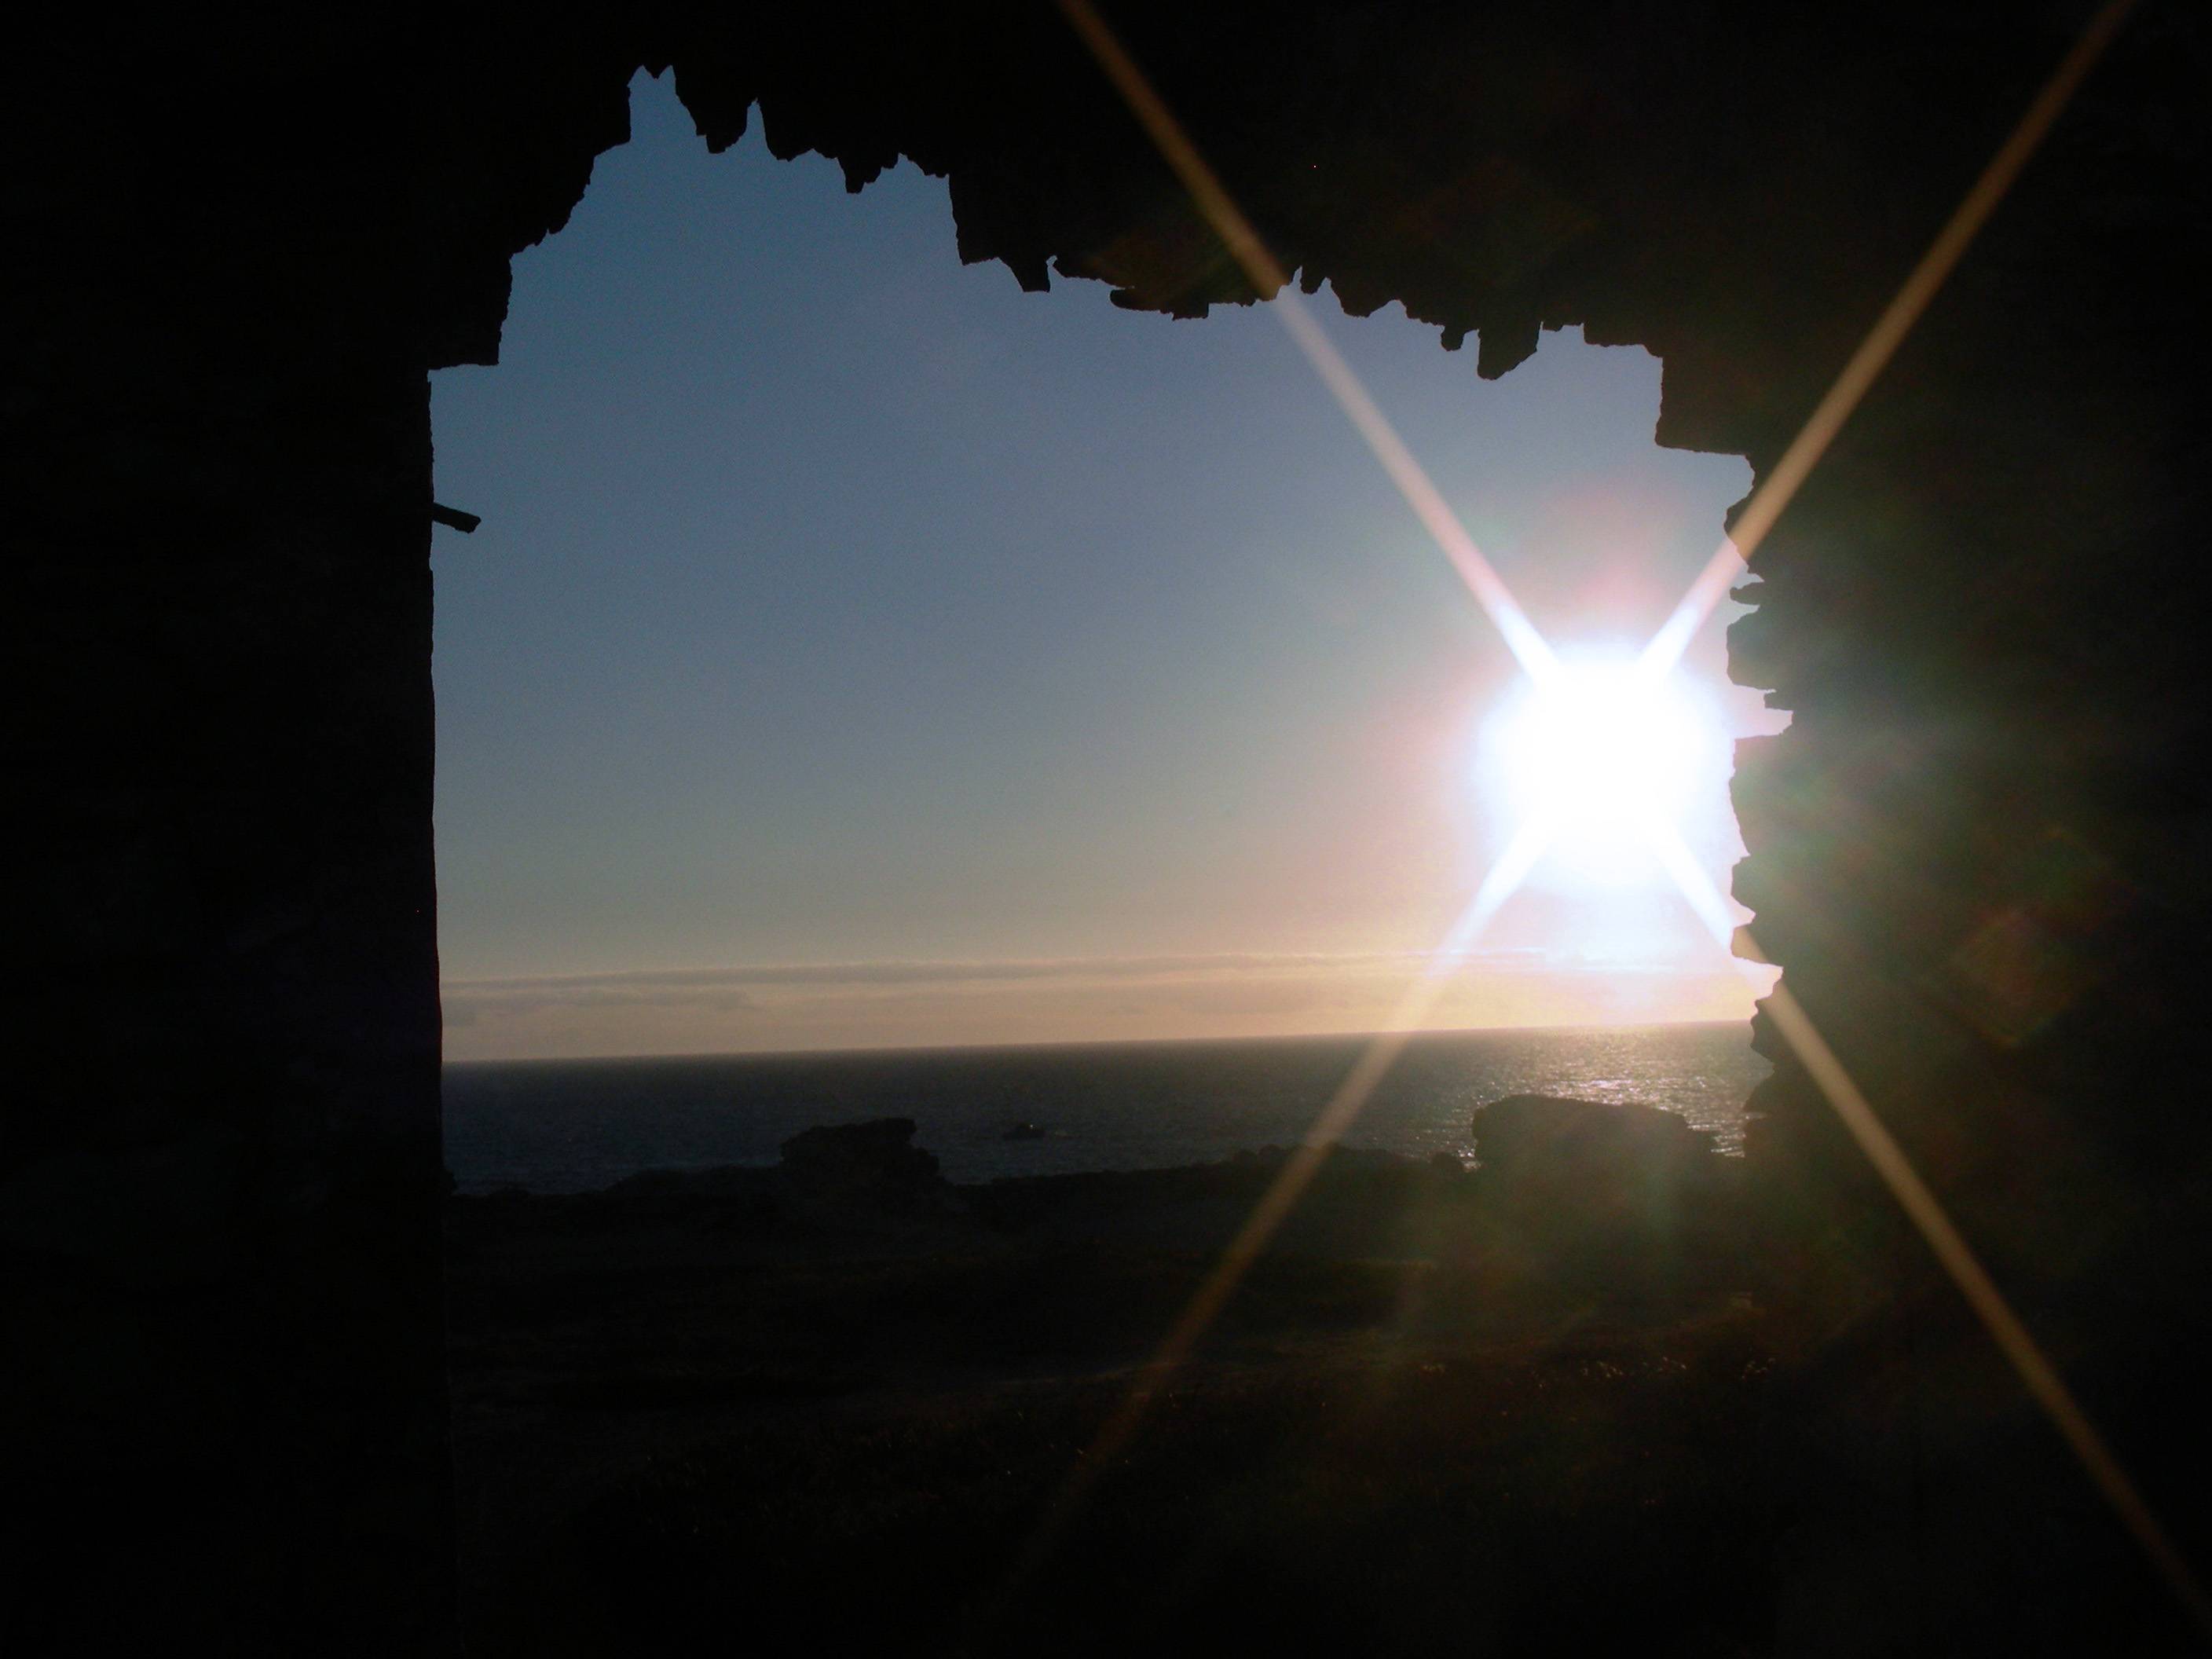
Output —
<point x="1003" y="666"/>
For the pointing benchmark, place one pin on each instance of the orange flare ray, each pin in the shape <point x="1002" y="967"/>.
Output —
<point x="1926" y="1212"/>
<point x="1768" y="503"/>
<point x="1271" y="281"/>
<point x="1776" y="491"/>
<point x="1275" y="1205"/>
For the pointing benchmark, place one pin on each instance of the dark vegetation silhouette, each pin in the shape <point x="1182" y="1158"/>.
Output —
<point x="1978" y="853"/>
<point x="837" y="1394"/>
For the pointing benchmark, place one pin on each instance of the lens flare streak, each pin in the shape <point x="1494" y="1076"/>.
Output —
<point x="1271" y="281"/>
<point x="1276" y="1204"/>
<point x="2037" y="1373"/>
<point x="1658" y="658"/>
<point x="1775" y="492"/>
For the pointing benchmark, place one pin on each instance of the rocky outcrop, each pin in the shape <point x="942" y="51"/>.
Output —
<point x="859" y="1172"/>
<point x="837" y="1176"/>
<point x="1621" y="1199"/>
<point x="1550" y="1141"/>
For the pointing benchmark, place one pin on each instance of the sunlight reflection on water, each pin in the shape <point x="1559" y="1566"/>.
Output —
<point x="569" y="1125"/>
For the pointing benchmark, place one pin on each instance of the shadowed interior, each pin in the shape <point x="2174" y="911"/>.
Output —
<point x="1977" y="853"/>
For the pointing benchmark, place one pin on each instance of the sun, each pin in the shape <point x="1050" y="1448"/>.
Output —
<point x="1599" y="751"/>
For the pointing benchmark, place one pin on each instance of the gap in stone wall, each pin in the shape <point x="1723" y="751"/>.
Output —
<point x="842" y="609"/>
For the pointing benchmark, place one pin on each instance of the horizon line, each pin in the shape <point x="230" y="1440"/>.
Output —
<point x="1345" y="1034"/>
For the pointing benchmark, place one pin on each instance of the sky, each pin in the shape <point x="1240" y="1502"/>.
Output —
<point x="859" y="652"/>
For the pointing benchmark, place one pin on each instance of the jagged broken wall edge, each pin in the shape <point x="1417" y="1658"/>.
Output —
<point x="1978" y="852"/>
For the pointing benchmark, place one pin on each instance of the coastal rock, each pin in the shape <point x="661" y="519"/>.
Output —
<point x="1547" y="1138"/>
<point x="845" y="1171"/>
<point x="1628" y="1197"/>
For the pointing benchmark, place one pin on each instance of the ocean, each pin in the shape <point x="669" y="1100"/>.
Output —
<point x="572" y="1126"/>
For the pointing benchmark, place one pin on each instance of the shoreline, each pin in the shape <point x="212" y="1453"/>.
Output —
<point x="746" y="1382"/>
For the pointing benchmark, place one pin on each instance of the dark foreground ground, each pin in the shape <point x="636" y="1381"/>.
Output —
<point x="1542" y="1407"/>
<point x="694" y="1416"/>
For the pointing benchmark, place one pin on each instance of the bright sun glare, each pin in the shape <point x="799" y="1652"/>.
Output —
<point x="1599" y="751"/>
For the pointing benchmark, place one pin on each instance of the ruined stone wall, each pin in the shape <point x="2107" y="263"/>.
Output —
<point x="219" y="1188"/>
<point x="1977" y="853"/>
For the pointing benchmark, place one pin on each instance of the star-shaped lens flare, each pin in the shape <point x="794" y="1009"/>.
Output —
<point x="1600" y="731"/>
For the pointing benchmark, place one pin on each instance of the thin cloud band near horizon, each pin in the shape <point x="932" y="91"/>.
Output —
<point x="982" y="971"/>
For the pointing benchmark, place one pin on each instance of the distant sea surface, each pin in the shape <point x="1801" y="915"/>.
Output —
<point x="572" y="1126"/>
